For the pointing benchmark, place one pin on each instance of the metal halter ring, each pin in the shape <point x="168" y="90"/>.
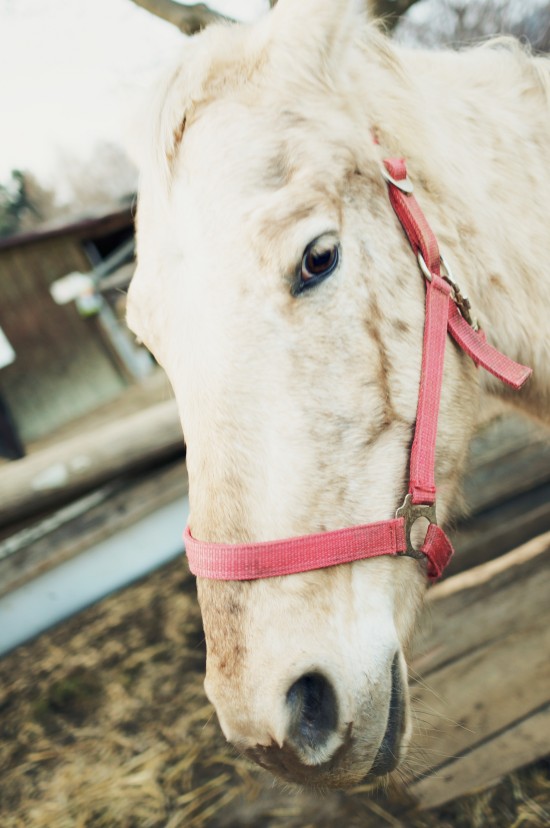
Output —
<point x="403" y="184"/>
<point x="426" y="272"/>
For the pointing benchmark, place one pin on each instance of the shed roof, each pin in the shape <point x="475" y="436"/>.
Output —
<point x="86" y="227"/>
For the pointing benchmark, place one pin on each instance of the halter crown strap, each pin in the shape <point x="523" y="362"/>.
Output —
<point x="268" y="559"/>
<point x="442" y="314"/>
<point x="423" y="241"/>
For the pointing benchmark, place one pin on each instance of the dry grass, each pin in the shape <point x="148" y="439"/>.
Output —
<point x="104" y="724"/>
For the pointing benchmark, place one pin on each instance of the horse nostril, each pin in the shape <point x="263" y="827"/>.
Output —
<point x="313" y="709"/>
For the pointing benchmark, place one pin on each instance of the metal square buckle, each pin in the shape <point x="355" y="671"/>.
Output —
<point x="410" y="512"/>
<point x="460" y="299"/>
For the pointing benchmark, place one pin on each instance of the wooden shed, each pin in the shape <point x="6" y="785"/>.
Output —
<point x="65" y="364"/>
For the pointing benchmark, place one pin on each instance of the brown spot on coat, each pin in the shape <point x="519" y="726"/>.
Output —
<point x="401" y="327"/>
<point x="278" y="171"/>
<point x="223" y="612"/>
<point x="177" y="137"/>
<point x="496" y="281"/>
<point x="372" y="325"/>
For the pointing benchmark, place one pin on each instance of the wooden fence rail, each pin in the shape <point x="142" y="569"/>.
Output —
<point x="483" y="700"/>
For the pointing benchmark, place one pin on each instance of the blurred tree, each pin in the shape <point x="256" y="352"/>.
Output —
<point x="10" y="195"/>
<point x="25" y="203"/>
<point x="389" y="11"/>
<point x="192" y="18"/>
<point x="463" y="21"/>
<point x="40" y="203"/>
<point x="14" y="203"/>
<point x="88" y="192"/>
<point x="188" y="18"/>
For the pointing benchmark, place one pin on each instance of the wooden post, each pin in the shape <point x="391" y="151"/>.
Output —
<point x="63" y="471"/>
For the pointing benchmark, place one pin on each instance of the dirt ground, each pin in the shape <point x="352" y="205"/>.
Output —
<point x="104" y="724"/>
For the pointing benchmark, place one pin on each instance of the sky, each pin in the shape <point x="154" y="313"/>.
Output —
<point x="72" y="73"/>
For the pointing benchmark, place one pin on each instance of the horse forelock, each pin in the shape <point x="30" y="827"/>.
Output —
<point x="255" y="64"/>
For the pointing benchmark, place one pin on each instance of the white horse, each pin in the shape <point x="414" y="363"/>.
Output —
<point x="277" y="289"/>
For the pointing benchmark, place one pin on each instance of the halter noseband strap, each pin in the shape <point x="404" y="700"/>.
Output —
<point x="447" y="310"/>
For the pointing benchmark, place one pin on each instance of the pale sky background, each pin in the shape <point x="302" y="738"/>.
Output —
<point x="72" y="73"/>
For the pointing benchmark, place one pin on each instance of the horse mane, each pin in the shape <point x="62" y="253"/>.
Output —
<point x="229" y="60"/>
<point x="533" y="68"/>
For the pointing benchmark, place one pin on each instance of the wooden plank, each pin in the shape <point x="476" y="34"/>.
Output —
<point x="61" y="472"/>
<point x="485" y="765"/>
<point x="477" y="607"/>
<point x="481" y="693"/>
<point x="151" y="390"/>
<point x="497" y="530"/>
<point x="510" y="456"/>
<point x="481" y="704"/>
<point x="506" y="492"/>
<point x="65" y="534"/>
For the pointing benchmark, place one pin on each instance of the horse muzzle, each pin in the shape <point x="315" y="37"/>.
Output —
<point x="322" y="750"/>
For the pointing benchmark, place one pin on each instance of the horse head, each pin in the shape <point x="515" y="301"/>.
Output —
<point x="277" y="290"/>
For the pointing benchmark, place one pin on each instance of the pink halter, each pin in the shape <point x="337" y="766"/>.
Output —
<point x="447" y="310"/>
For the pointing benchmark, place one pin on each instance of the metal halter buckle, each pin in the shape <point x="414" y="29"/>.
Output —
<point x="460" y="299"/>
<point x="463" y="303"/>
<point x="410" y="512"/>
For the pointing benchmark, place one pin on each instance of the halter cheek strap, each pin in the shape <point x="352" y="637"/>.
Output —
<point x="447" y="311"/>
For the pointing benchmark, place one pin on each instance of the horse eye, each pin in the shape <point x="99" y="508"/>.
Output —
<point x="320" y="259"/>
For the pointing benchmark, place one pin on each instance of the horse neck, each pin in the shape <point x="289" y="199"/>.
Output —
<point x="474" y="127"/>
